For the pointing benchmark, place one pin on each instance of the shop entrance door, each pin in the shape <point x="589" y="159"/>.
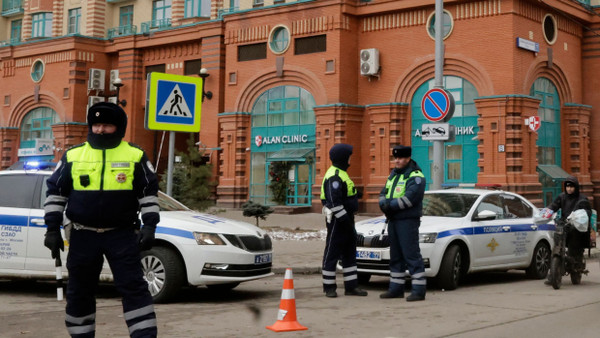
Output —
<point x="299" y="190"/>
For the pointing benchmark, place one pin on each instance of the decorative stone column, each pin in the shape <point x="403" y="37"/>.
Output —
<point x="507" y="147"/>
<point x="386" y="123"/>
<point x="9" y="141"/>
<point x="337" y="123"/>
<point x="66" y="135"/>
<point x="576" y="145"/>
<point x="234" y="178"/>
<point x="590" y="81"/>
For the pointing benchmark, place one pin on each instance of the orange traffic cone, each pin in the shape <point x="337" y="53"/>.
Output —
<point x="286" y="317"/>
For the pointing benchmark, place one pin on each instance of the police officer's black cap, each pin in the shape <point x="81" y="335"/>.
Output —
<point x="401" y="151"/>
<point x="107" y="112"/>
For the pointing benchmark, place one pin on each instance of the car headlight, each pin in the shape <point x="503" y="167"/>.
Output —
<point x="428" y="237"/>
<point x="205" y="238"/>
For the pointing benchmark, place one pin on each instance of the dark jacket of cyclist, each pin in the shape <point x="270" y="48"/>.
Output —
<point x="568" y="201"/>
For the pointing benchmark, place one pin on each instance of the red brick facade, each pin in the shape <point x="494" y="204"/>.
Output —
<point x="371" y="113"/>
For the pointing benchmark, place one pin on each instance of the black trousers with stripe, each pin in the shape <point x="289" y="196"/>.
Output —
<point x="87" y="250"/>
<point x="340" y="244"/>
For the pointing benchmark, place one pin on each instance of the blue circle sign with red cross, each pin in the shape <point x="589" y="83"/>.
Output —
<point x="437" y="105"/>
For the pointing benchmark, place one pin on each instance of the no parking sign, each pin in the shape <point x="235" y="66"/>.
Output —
<point x="437" y="105"/>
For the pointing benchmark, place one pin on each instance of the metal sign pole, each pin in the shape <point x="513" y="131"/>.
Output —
<point x="170" y="162"/>
<point x="437" y="176"/>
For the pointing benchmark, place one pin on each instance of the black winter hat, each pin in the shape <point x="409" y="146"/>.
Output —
<point x="108" y="112"/>
<point x="401" y="151"/>
<point x="340" y="154"/>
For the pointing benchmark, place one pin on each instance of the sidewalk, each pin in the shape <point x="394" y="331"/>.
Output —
<point x="304" y="252"/>
<point x="299" y="239"/>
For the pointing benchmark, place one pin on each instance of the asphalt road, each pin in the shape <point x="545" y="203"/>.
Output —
<point x="487" y="305"/>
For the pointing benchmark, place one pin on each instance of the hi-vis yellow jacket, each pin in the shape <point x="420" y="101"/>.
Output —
<point x="103" y="188"/>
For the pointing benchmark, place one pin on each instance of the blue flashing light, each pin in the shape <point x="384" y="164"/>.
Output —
<point x="31" y="165"/>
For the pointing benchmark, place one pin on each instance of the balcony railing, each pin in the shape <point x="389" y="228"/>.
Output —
<point x="12" y="7"/>
<point x="12" y="41"/>
<point x="121" y="31"/>
<point x="155" y="25"/>
<point x="227" y="11"/>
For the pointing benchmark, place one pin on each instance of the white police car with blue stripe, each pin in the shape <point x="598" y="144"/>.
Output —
<point x="464" y="231"/>
<point x="191" y="248"/>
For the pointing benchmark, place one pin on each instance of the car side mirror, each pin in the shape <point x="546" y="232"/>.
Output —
<point x="485" y="215"/>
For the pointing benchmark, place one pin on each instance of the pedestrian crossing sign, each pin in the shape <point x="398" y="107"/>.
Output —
<point x="173" y="102"/>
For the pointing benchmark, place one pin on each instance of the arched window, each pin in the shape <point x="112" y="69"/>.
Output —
<point x="548" y="141"/>
<point x="36" y="128"/>
<point x="460" y="156"/>
<point x="283" y="130"/>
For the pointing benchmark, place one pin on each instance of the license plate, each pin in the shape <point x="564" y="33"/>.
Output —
<point x="368" y="255"/>
<point x="263" y="258"/>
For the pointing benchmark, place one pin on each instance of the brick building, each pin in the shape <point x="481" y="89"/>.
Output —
<point x="291" y="78"/>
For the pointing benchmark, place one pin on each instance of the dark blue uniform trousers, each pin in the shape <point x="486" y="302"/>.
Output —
<point x="406" y="254"/>
<point x="84" y="262"/>
<point x="340" y="244"/>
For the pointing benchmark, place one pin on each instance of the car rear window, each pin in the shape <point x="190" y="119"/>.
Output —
<point x="17" y="190"/>
<point x="448" y="205"/>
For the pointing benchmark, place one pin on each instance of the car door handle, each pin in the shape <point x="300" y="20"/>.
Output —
<point x="506" y="228"/>
<point x="38" y="221"/>
<point x="534" y="227"/>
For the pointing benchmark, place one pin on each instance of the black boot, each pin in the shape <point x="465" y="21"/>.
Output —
<point x="389" y="294"/>
<point x="415" y="297"/>
<point x="356" y="292"/>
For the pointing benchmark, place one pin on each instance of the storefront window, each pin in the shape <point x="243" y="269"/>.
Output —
<point x="461" y="156"/>
<point x="283" y="130"/>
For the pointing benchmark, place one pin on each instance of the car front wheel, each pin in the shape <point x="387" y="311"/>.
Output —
<point x="164" y="272"/>
<point x="540" y="262"/>
<point x="451" y="269"/>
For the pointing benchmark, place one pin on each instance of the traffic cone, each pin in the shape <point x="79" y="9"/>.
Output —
<point x="286" y="317"/>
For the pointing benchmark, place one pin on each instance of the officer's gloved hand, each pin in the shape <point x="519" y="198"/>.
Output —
<point x="146" y="237"/>
<point x="384" y="204"/>
<point x="54" y="242"/>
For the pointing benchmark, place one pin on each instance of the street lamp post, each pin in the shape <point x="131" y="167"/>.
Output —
<point x="204" y="74"/>
<point x="118" y="84"/>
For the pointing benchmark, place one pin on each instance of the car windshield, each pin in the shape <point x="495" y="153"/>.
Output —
<point x="168" y="203"/>
<point x="448" y="205"/>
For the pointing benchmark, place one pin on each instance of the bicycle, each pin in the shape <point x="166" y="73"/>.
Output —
<point x="562" y="264"/>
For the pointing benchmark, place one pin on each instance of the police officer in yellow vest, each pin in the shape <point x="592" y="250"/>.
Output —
<point x="103" y="184"/>
<point x="340" y="202"/>
<point x="401" y="200"/>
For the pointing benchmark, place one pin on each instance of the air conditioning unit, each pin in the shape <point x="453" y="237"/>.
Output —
<point x="369" y="61"/>
<point x="96" y="80"/>
<point x="92" y="100"/>
<point x="114" y="74"/>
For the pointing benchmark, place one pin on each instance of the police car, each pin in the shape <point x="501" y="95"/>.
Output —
<point x="464" y="231"/>
<point x="191" y="248"/>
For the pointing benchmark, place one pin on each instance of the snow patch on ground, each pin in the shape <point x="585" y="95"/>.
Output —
<point x="286" y="235"/>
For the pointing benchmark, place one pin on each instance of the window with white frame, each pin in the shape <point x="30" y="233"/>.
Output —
<point x="161" y="10"/>
<point x="74" y="20"/>
<point x="41" y="25"/>
<point x="195" y="8"/>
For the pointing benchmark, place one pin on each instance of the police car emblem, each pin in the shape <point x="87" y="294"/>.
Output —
<point x="121" y="177"/>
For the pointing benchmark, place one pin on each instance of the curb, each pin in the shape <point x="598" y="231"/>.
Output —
<point x="312" y="270"/>
<point x="301" y="270"/>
